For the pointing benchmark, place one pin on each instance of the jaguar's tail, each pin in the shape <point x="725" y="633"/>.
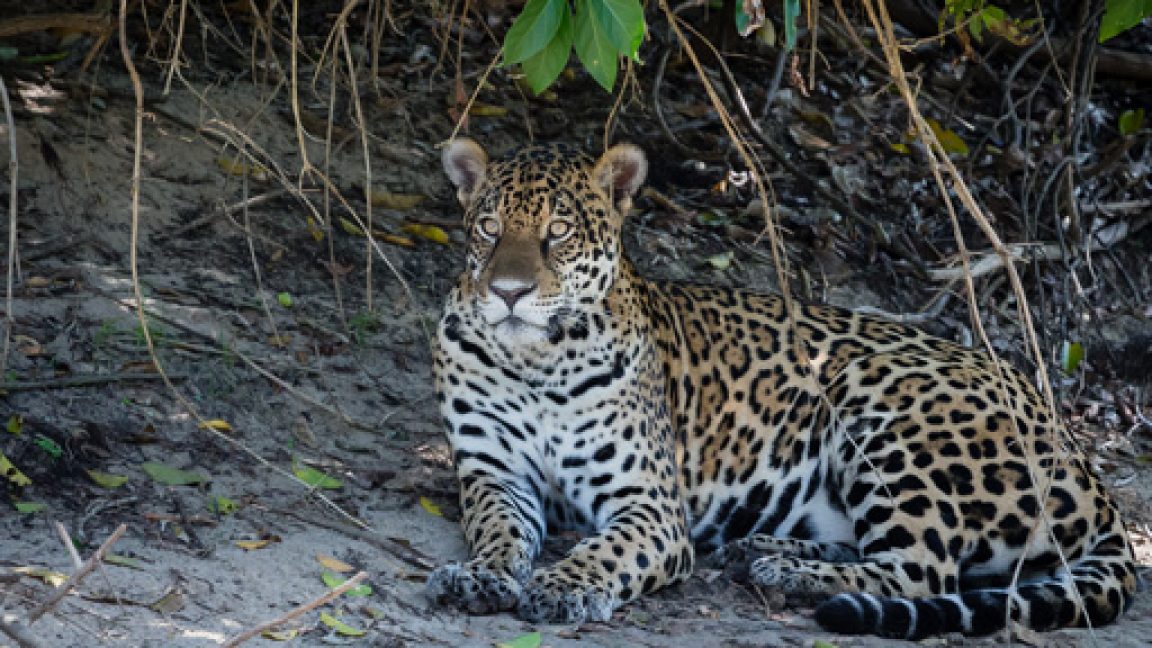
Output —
<point x="1096" y="590"/>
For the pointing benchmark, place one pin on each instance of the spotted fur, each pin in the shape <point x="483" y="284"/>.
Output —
<point x="896" y="478"/>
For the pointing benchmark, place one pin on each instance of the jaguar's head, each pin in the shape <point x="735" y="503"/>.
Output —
<point x="543" y="231"/>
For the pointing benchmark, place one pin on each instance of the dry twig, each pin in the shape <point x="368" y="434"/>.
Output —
<point x="295" y="612"/>
<point x="216" y="214"/>
<point x="991" y="261"/>
<point x="95" y="23"/>
<point x="935" y="307"/>
<point x="18" y="634"/>
<point x="398" y="549"/>
<point x="76" y="576"/>
<point x="71" y="382"/>
<point x="65" y="540"/>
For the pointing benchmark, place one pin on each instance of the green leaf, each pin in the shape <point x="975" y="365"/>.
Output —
<point x="430" y="506"/>
<point x="106" y="480"/>
<point x="49" y="446"/>
<point x="331" y="580"/>
<point x="823" y="644"/>
<point x="742" y="19"/>
<point x="285" y="299"/>
<point x="1004" y="26"/>
<point x="713" y="219"/>
<point x="791" y="13"/>
<point x="221" y="505"/>
<point x="622" y="22"/>
<point x="949" y="140"/>
<point x="1071" y="353"/>
<point x="9" y="471"/>
<point x="155" y="332"/>
<point x="315" y="478"/>
<point x="172" y="476"/>
<point x="15" y="423"/>
<point x="123" y="561"/>
<point x="1121" y="15"/>
<point x="976" y="28"/>
<point x="339" y="626"/>
<point x="45" y="58"/>
<point x="594" y="48"/>
<point x="530" y="640"/>
<point x="30" y="507"/>
<point x="1131" y="121"/>
<point x="335" y="580"/>
<point x="542" y="68"/>
<point x="991" y="15"/>
<point x="533" y="29"/>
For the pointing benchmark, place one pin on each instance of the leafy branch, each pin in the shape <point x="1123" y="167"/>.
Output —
<point x="542" y="38"/>
<point x="1122" y="15"/>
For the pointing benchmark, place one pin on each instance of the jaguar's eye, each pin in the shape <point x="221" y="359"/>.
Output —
<point x="559" y="229"/>
<point x="488" y="227"/>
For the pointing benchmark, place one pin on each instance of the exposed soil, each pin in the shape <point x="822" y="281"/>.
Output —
<point x="341" y="382"/>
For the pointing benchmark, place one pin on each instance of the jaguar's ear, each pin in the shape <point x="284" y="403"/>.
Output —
<point x="465" y="162"/>
<point x="620" y="172"/>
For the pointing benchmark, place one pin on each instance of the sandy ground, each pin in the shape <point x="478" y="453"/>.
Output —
<point x="315" y="384"/>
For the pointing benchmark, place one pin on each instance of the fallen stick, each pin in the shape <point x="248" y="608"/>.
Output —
<point x="92" y="23"/>
<point x="398" y="549"/>
<point x="17" y="634"/>
<point x="1092" y="208"/>
<point x="295" y="612"/>
<point x="76" y="576"/>
<point x="986" y="262"/>
<point x="77" y="561"/>
<point x="216" y="214"/>
<point x="55" y="249"/>
<point x="82" y="381"/>
<point x="930" y="314"/>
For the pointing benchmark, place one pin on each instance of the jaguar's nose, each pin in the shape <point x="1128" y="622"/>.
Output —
<point x="511" y="291"/>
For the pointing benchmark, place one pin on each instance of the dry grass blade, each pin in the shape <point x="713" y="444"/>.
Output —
<point x="13" y="196"/>
<point x="65" y="540"/>
<point x="176" y="48"/>
<point x="362" y="128"/>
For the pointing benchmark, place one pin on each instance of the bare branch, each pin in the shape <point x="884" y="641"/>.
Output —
<point x="295" y="612"/>
<point x="76" y="576"/>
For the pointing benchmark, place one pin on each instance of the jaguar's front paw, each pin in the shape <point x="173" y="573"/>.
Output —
<point x="800" y="580"/>
<point x="735" y="558"/>
<point x="473" y="588"/>
<point x="551" y="598"/>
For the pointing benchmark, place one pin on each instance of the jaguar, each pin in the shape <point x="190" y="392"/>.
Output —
<point x="906" y="485"/>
